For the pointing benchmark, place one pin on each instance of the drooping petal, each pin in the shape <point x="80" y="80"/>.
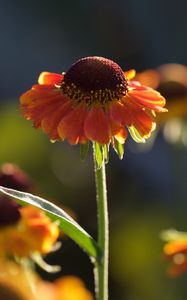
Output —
<point x="142" y="125"/>
<point x="130" y="74"/>
<point x="50" y="78"/>
<point x="96" y="126"/>
<point x="51" y="121"/>
<point x="118" y="131"/>
<point x="119" y="113"/>
<point x="72" y="125"/>
<point x="42" y="101"/>
<point x="39" y="92"/>
<point x="46" y="105"/>
<point x="121" y="136"/>
<point x="36" y="114"/>
<point x="148" y="98"/>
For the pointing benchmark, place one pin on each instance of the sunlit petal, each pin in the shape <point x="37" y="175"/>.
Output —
<point x="71" y="126"/>
<point x="96" y="126"/>
<point x="130" y="74"/>
<point x="148" y="98"/>
<point x="50" y="78"/>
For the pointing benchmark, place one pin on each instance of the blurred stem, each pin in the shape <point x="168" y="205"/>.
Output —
<point x="28" y="268"/>
<point x="101" y="268"/>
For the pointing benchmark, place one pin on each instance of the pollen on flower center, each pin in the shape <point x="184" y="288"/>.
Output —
<point x="94" y="79"/>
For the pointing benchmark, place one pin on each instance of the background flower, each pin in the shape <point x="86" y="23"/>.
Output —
<point x="175" y="251"/>
<point x="33" y="232"/>
<point x="32" y="287"/>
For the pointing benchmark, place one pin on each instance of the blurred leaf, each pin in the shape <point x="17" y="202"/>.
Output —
<point x="67" y="224"/>
<point x="169" y="235"/>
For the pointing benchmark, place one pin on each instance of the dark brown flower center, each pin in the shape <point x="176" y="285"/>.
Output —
<point x="94" y="79"/>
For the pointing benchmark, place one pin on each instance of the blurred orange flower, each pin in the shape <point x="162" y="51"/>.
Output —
<point x="16" y="282"/>
<point x="95" y="100"/>
<point x="31" y="287"/>
<point x="41" y="232"/>
<point x="175" y="250"/>
<point x="65" y="288"/>
<point x="33" y="233"/>
<point x="170" y="80"/>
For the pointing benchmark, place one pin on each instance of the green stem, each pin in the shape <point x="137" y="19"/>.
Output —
<point x="101" y="269"/>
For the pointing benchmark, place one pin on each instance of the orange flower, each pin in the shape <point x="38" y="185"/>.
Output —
<point x="70" y="288"/>
<point x="64" y="288"/>
<point x="16" y="282"/>
<point x="31" y="287"/>
<point x="175" y="250"/>
<point x="95" y="100"/>
<point x="170" y="80"/>
<point x="41" y="233"/>
<point x="33" y="233"/>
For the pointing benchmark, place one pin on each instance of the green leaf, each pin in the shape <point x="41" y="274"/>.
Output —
<point x="84" y="150"/>
<point x="98" y="155"/>
<point x="67" y="224"/>
<point x="106" y="153"/>
<point x="136" y="135"/>
<point x="119" y="148"/>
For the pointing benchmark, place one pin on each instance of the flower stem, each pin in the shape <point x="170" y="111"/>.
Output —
<point x="101" y="270"/>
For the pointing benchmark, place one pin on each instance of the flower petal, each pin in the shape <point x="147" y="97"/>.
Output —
<point x="72" y="125"/>
<point x="37" y="113"/>
<point x="39" y="104"/>
<point x="50" y="78"/>
<point x="148" y="98"/>
<point x="118" y="131"/>
<point x="121" y="136"/>
<point x="51" y="120"/>
<point x="130" y="74"/>
<point x="39" y="92"/>
<point x="142" y="125"/>
<point x="96" y="126"/>
<point x="119" y="113"/>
